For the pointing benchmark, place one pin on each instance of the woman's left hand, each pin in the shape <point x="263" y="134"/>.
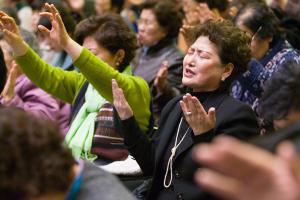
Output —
<point x="123" y="108"/>
<point x="197" y="118"/>
<point x="8" y="92"/>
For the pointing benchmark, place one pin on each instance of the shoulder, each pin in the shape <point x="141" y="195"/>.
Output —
<point x="110" y="187"/>
<point x="231" y="105"/>
<point x="236" y="118"/>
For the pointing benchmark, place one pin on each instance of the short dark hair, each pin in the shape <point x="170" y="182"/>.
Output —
<point x="3" y="71"/>
<point x="232" y="43"/>
<point x="281" y="93"/>
<point x="166" y="15"/>
<point x="111" y="32"/>
<point x="260" y="19"/>
<point x="118" y="5"/>
<point x="34" y="161"/>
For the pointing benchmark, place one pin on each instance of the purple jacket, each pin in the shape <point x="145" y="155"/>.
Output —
<point x="35" y="100"/>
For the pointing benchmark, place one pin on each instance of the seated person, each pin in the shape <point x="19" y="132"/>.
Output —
<point x="36" y="165"/>
<point x="208" y="70"/>
<point x="109" y="47"/>
<point x="268" y="46"/>
<point x="251" y="172"/>
<point x="158" y="60"/>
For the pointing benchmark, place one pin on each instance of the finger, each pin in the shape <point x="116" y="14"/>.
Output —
<point x="46" y="14"/>
<point x="115" y="87"/>
<point x="49" y="8"/>
<point x="56" y="15"/>
<point x="218" y="184"/>
<point x="222" y="156"/>
<point x="186" y="102"/>
<point x="2" y="14"/>
<point x="43" y="30"/>
<point x="9" y="35"/>
<point x="212" y="114"/>
<point x="183" y="106"/>
<point x="9" y="22"/>
<point x="197" y="106"/>
<point x="288" y="152"/>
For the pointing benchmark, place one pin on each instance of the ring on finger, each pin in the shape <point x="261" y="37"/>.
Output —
<point x="188" y="113"/>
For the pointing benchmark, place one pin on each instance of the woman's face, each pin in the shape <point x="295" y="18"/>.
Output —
<point x="259" y="47"/>
<point x="104" y="54"/>
<point x="150" y="32"/>
<point x="202" y="67"/>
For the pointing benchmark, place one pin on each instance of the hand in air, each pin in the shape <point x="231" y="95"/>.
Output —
<point x="197" y="118"/>
<point x="12" y="34"/>
<point x="123" y="108"/>
<point x="58" y="33"/>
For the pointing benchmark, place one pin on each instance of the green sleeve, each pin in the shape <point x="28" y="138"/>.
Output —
<point x="136" y="89"/>
<point x="62" y="84"/>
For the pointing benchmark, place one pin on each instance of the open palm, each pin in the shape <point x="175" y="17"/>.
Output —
<point x="58" y="33"/>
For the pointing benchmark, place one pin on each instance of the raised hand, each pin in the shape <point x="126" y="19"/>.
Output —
<point x="8" y="92"/>
<point x="123" y="108"/>
<point x="161" y="77"/>
<point x="12" y="34"/>
<point x="58" y="33"/>
<point x="196" y="116"/>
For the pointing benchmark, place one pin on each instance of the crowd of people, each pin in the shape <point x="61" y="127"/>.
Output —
<point x="186" y="99"/>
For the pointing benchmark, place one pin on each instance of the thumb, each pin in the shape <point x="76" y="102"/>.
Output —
<point x="212" y="114"/>
<point x="43" y="30"/>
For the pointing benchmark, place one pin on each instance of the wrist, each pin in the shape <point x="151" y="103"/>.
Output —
<point x="72" y="48"/>
<point x="201" y="131"/>
<point x="20" y="49"/>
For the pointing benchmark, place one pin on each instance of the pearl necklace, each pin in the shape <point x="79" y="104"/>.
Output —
<point x="173" y="152"/>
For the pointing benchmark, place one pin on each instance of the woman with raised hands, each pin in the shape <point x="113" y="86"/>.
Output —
<point x="108" y="47"/>
<point x="209" y="67"/>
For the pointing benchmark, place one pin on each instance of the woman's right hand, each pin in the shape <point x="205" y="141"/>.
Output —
<point x="12" y="34"/>
<point x="123" y="108"/>
<point x="58" y="33"/>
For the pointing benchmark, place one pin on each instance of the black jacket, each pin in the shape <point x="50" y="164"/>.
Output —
<point x="232" y="117"/>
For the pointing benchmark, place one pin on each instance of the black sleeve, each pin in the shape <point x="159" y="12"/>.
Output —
<point x="140" y="146"/>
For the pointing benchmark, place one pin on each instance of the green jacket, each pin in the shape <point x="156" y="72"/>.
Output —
<point x="66" y="85"/>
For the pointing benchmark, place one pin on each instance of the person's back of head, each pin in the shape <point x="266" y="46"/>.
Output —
<point x="280" y="101"/>
<point x="34" y="161"/>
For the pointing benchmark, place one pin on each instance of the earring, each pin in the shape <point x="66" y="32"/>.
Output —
<point x="117" y="64"/>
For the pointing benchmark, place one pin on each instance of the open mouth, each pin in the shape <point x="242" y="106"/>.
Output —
<point x="188" y="72"/>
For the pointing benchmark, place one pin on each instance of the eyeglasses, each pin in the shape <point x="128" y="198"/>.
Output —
<point x="256" y="33"/>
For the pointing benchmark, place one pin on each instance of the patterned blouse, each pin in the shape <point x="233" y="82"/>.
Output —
<point x="249" y="87"/>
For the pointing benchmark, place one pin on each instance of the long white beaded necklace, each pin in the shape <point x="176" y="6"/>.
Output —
<point x="173" y="152"/>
